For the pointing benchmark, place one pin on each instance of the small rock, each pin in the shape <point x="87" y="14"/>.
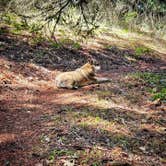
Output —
<point x="47" y="139"/>
<point x="142" y="148"/>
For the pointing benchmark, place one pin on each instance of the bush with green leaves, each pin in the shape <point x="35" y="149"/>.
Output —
<point x="139" y="51"/>
<point x="88" y="15"/>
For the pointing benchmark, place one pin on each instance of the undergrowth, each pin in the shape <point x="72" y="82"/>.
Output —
<point x="156" y="83"/>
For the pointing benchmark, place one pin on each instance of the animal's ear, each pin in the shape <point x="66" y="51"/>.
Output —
<point x="93" y="62"/>
<point x="90" y="60"/>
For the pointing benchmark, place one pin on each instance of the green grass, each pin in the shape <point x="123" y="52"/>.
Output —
<point x="55" y="45"/>
<point x="139" y="51"/>
<point x="160" y="95"/>
<point x="57" y="152"/>
<point x="156" y="83"/>
<point x="70" y="43"/>
<point x="130" y="16"/>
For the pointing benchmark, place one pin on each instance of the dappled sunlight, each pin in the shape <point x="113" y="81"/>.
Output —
<point x="94" y="101"/>
<point x="78" y="98"/>
<point x="128" y="40"/>
<point x="26" y="75"/>
<point x="152" y="128"/>
<point x="99" y="123"/>
<point x="7" y="137"/>
<point x="29" y="106"/>
<point x="88" y="120"/>
<point x="141" y="39"/>
<point x="118" y="152"/>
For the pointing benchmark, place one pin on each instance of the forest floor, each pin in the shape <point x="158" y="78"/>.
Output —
<point x="114" y="123"/>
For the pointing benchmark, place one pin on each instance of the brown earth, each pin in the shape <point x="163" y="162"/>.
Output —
<point x="107" y="124"/>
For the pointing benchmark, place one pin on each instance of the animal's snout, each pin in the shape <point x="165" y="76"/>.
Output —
<point x="97" y="67"/>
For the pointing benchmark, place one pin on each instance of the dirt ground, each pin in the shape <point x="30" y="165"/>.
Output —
<point x="114" y="123"/>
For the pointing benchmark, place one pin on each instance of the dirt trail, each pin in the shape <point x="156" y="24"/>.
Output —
<point x="98" y="124"/>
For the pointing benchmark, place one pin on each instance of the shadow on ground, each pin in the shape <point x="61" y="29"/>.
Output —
<point x="112" y="58"/>
<point x="41" y="128"/>
<point x="40" y="124"/>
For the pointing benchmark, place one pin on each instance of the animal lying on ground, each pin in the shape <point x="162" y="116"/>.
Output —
<point x="82" y="76"/>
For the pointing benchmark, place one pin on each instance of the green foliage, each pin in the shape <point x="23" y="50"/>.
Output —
<point x="37" y="39"/>
<point x="3" y="29"/>
<point x="20" y="26"/>
<point x="67" y="43"/>
<point x="58" y="152"/>
<point x="142" y="16"/>
<point x="96" y="164"/>
<point x="156" y="6"/>
<point x="34" y="28"/>
<point x="76" y="46"/>
<point x="4" y="3"/>
<point x="153" y="78"/>
<point x="85" y="17"/>
<point x="70" y="43"/>
<point x="130" y="16"/>
<point x="70" y="13"/>
<point x="160" y="95"/>
<point x="55" y="45"/>
<point x="156" y="82"/>
<point x="139" y="51"/>
<point x="9" y="18"/>
<point x="14" y="21"/>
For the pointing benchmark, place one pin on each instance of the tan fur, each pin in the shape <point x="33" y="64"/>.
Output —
<point x="78" y="78"/>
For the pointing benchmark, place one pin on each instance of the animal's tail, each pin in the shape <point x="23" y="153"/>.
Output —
<point x="103" y="79"/>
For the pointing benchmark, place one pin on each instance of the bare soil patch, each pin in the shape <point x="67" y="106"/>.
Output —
<point x="108" y="124"/>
